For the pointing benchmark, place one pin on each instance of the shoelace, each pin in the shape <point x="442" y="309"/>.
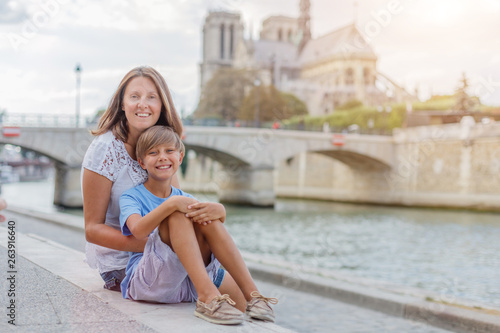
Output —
<point x="272" y="300"/>
<point x="224" y="298"/>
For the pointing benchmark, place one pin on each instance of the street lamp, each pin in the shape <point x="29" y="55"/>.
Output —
<point x="78" y="72"/>
<point x="256" y="83"/>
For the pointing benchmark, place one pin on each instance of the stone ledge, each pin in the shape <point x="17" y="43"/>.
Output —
<point x="69" y="265"/>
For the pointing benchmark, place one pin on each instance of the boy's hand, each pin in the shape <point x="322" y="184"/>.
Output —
<point x="205" y="212"/>
<point x="182" y="203"/>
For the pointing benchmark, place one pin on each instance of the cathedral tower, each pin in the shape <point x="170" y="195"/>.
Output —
<point x="222" y="32"/>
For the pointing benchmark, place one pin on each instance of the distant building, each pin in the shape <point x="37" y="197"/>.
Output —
<point x="222" y="32"/>
<point x="325" y="72"/>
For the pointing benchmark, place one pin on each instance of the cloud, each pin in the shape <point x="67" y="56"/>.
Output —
<point x="108" y="38"/>
<point x="12" y="12"/>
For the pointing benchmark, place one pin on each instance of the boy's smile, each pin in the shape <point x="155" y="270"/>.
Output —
<point x="161" y="162"/>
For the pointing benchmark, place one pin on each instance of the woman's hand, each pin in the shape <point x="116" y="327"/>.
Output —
<point x="205" y="212"/>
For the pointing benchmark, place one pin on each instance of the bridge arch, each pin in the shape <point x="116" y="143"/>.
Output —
<point x="37" y="151"/>
<point x="355" y="160"/>
<point x="222" y="157"/>
<point x="66" y="147"/>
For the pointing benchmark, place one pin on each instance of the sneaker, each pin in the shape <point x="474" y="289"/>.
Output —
<point x="220" y="310"/>
<point x="259" y="308"/>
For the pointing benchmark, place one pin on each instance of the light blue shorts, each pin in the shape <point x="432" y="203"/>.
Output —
<point x="160" y="276"/>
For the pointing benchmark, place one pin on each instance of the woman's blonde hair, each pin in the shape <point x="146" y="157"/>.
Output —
<point x="155" y="136"/>
<point x="114" y="118"/>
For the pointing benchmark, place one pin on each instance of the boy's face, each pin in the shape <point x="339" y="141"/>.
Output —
<point x="161" y="162"/>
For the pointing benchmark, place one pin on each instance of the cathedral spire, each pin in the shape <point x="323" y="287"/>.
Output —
<point x="304" y="23"/>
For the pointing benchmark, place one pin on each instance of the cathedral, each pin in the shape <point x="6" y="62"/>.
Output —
<point x="324" y="72"/>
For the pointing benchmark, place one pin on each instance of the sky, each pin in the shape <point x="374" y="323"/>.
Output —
<point x="424" y="44"/>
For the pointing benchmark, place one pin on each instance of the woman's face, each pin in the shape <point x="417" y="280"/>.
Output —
<point x="142" y="104"/>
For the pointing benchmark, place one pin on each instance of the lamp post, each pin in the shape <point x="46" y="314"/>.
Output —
<point x="256" y="83"/>
<point x="78" y="72"/>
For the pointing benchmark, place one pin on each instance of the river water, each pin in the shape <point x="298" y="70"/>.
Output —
<point x="453" y="253"/>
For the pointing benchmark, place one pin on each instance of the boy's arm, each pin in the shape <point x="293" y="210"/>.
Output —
<point x="203" y="212"/>
<point x="142" y="226"/>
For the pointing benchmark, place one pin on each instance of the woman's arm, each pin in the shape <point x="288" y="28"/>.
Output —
<point x="96" y="193"/>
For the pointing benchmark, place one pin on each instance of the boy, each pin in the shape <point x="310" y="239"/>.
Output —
<point x="180" y="262"/>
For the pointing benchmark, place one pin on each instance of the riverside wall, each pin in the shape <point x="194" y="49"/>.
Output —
<point x="446" y="166"/>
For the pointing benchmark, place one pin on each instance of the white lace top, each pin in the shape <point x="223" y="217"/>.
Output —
<point x="108" y="157"/>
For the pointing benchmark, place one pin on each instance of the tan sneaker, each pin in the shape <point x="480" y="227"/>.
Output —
<point x="259" y="307"/>
<point x="220" y="310"/>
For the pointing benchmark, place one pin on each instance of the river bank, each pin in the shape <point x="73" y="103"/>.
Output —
<point x="399" y="309"/>
<point x="452" y="253"/>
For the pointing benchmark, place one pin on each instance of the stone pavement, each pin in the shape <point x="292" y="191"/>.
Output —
<point x="57" y="292"/>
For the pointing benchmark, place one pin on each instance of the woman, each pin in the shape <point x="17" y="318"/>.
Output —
<point x="110" y="167"/>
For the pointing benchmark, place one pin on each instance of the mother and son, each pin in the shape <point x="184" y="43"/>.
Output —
<point x="148" y="238"/>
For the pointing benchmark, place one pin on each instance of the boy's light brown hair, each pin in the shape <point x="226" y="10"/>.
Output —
<point x="155" y="136"/>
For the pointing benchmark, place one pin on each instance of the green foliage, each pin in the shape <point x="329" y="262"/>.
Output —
<point x="271" y="104"/>
<point x="437" y="102"/>
<point x="460" y="101"/>
<point x="352" y="104"/>
<point x="492" y="109"/>
<point x="223" y="94"/>
<point x="367" y="118"/>
<point x="293" y="105"/>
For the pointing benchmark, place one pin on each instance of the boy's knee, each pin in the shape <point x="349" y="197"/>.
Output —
<point x="209" y="227"/>
<point x="177" y="217"/>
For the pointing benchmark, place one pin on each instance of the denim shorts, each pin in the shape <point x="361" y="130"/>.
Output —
<point x="160" y="276"/>
<point x="112" y="279"/>
<point x="220" y="277"/>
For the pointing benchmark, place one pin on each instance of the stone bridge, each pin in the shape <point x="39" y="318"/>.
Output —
<point x="249" y="156"/>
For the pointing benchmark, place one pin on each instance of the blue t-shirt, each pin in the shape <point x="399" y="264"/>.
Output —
<point x="138" y="200"/>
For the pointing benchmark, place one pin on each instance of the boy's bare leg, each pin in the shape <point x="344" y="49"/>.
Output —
<point x="177" y="231"/>
<point x="230" y="287"/>
<point x="224" y="249"/>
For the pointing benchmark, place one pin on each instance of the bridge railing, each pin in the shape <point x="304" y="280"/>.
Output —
<point x="43" y="120"/>
<point x="67" y="120"/>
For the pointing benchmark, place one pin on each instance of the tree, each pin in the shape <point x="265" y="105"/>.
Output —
<point x="294" y="106"/>
<point x="463" y="101"/>
<point x="223" y="94"/>
<point x="271" y="105"/>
